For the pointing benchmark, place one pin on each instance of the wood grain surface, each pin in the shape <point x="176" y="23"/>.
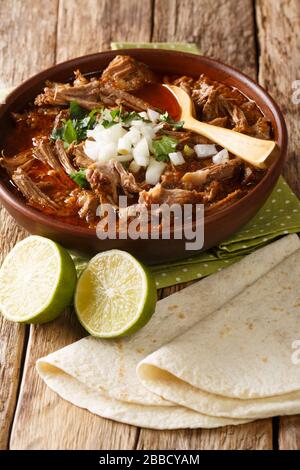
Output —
<point x="279" y="67"/>
<point x="262" y="44"/>
<point x="24" y="51"/>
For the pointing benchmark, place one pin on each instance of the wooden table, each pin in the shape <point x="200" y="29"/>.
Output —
<point x="258" y="37"/>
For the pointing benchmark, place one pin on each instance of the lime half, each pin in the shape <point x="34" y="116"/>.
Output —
<point x="37" y="281"/>
<point x="115" y="295"/>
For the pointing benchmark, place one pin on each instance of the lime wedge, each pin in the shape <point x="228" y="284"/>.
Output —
<point x="37" y="281"/>
<point x="115" y="295"/>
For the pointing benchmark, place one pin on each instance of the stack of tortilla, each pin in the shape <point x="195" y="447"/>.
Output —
<point x="218" y="352"/>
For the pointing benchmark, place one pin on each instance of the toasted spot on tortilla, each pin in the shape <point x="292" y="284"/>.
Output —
<point x="172" y="307"/>
<point x="181" y="315"/>
<point x="140" y="350"/>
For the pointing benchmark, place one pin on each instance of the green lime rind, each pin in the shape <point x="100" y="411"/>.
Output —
<point x="62" y="292"/>
<point x="143" y="314"/>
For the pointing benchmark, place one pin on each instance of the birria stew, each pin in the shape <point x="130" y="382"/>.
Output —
<point x="83" y="144"/>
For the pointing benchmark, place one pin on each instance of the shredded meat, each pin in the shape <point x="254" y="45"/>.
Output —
<point x="186" y="83"/>
<point x="80" y="159"/>
<point x="32" y="193"/>
<point x="54" y="155"/>
<point x="127" y="74"/>
<point x="180" y="136"/>
<point x="220" y="122"/>
<point x="226" y="201"/>
<point x="104" y="180"/>
<point x="21" y="160"/>
<point x="86" y="95"/>
<point x="63" y="157"/>
<point x="111" y="96"/>
<point x="217" y="101"/>
<point x="88" y="203"/>
<point x="127" y="180"/>
<point x="160" y="195"/>
<point x="221" y="172"/>
<point x="45" y="153"/>
<point x="213" y="191"/>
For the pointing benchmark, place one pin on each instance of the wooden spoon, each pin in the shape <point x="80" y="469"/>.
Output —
<point x="258" y="152"/>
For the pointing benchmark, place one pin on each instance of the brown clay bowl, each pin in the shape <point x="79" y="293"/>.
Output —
<point x="217" y="227"/>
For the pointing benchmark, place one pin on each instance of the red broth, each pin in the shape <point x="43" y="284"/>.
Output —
<point x="160" y="97"/>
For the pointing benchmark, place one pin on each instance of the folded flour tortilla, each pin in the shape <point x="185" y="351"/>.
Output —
<point x="216" y="353"/>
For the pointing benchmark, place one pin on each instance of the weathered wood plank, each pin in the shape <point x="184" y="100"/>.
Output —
<point x="95" y="24"/>
<point x="279" y="65"/>
<point x="28" y="36"/>
<point x="251" y="436"/>
<point x="91" y="25"/>
<point x="211" y="25"/>
<point x="278" y="27"/>
<point x="289" y="433"/>
<point x="11" y="340"/>
<point x="23" y="53"/>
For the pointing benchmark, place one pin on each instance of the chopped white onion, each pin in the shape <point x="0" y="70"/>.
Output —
<point x="153" y="115"/>
<point x="96" y="132"/>
<point x="91" y="148"/>
<point x="124" y="145"/>
<point x="141" y="152"/>
<point x="143" y="115"/>
<point x="124" y="158"/>
<point x="176" y="158"/>
<point x="106" y="115"/>
<point x="154" y="171"/>
<point x="148" y="133"/>
<point x="158" y="127"/>
<point x="205" y="150"/>
<point x="133" y="135"/>
<point x="134" y="167"/>
<point x="107" y="151"/>
<point x="221" y="157"/>
<point x="130" y="143"/>
<point x="137" y="123"/>
<point x="113" y="133"/>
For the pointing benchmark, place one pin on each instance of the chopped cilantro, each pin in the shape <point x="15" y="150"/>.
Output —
<point x="76" y="111"/>
<point x="75" y="129"/>
<point x="80" y="178"/>
<point x="129" y="116"/>
<point x="162" y="147"/>
<point x="70" y="134"/>
<point x="174" y="124"/>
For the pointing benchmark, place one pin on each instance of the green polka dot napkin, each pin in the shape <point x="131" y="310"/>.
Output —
<point x="178" y="46"/>
<point x="279" y="216"/>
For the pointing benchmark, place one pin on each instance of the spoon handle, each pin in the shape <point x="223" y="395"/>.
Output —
<point x="254" y="151"/>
